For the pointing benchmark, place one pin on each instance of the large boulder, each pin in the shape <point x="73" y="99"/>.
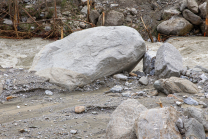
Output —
<point x="168" y="61"/>
<point x="121" y="124"/>
<point x="175" y="85"/>
<point x="193" y="18"/>
<point x="175" y="26"/>
<point x="170" y="12"/>
<point x="112" y="18"/>
<point x="157" y="124"/>
<point x="87" y="55"/>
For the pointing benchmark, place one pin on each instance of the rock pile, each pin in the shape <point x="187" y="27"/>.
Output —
<point x="191" y="15"/>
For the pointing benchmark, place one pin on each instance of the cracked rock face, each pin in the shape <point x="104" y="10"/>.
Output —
<point x="87" y="55"/>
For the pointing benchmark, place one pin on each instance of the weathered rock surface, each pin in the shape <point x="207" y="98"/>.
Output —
<point x="193" y="6"/>
<point x="175" y="26"/>
<point x="168" y="61"/>
<point x="198" y="114"/>
<point x="193" y="18"/>
<point x="194" y="129"/>
<point x="90" y="54"/>
<point x="121" y="125"/>
<point x="112" y="18"/>
<point x="202" y="9"/>
<point x="157" y="124"/>
<point x="144" y="80"/>
<point x="191" y="101"/>
<point x="149" y="62"/>
<point x="175" y="85"/>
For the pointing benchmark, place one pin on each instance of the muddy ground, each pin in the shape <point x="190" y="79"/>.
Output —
<point x="33" y="114"/>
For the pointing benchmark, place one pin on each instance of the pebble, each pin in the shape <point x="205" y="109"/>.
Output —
<point x="143" y="80"/>
<point x="94" y="112"/>
<point x="73" y="131"/>
<point x="191" y="101"/>
<point x="179" y="103"/>
<point x="120" y="76"/>
<point x="18" y="107"/>
<point x="116" y="88"/>
<point x="48" y="92"/>
<point x="79" y="109"/>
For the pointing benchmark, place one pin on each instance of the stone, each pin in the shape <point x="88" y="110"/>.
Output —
<point x="157" y="124"/>
<point x="129" y="18"/>
<point x="203" y="77"/>
<point x="190" y="101"/>
<point x="193" y="18"/>
<point x="144" y="80"/>
<point x="202" y="9"/>
<point x="113" y="5"/>
<point x="1" y="88"/>
<point x="120" y="76"/>
<point x="141" y="93"/>
<point x="204" y="105"/>
<point x="90" y="54"/>
<point x="48" y="92"/>
<point x="116" y="89"/>
<point x="149" y="63"/>
<point x="8" y="21"/>
<point x="167" y="14"/>
<point x="82" y="25"/>
<point x="84" y="10"/>
<point x="183" y="5"/>
<point x="94" y="15"/>
<point x="194" y="129"/>
<point x="73" y="131"/>
<point x="198" y="114"/>
<point x="175" y="85"/>
<point x="133" y="11"/>
<point x="112" y="18"/>
<point x="168" y="61"/>
<point x="126" y="94"/>
<point x="79" y="109"/>
<point x="121" y="124"/>
<point x="175" y="26"/>
<point x="193" y="6"/>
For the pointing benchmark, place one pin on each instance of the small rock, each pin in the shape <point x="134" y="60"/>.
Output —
<point x="202" y="103"/>
<point x="79" y="109"/>
<point x="133" y="11"/>
<point x="18" y="107"/>
<point x="203" y="77"/>
<point x="179" y="103"/>
<point x="126" y="94"/>
<point x="191" y="101"/>
<point x="73" y="131"/>
<point x="116" y="89"/>
<point x="141" y="93"/>
<point x="120" y="76"/>
<point x="94" y="113"/>
<point x="47" y="92"/>
<point x="144" y="80"/>
<point x="82" y="25"/>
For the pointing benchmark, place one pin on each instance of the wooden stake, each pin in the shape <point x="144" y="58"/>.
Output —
<point x="62" y="32"/>
<point x="150" y="36"/>
<point x="88" y="11"/>
<point x="103" y="23"/>
<point x="160" y="103"/>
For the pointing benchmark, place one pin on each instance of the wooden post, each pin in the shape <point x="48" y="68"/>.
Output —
<point x="88" y="11"/>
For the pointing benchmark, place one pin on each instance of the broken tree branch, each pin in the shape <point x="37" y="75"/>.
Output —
<point x="150" y="36"/>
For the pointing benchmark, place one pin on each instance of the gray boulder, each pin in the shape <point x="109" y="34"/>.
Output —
<point x="121" y="124"/>
<point x="175" y="85"/>
<point x="112" y="18"/>
<point x="94" y="15"/>
<point x="149" y="62"/>
<point x="191" y="101"/>
<point x="193" y="18"/>
<point x="144" y="80"/>
<point x="198" y="114"/>
<point x="194" y="129"/>
<point x="202" y="9"/>
<point x="168" y="61"/>
<point x="193" y="6"/>
<point x="87" y="55"/>
<point x="157" y="124"/>
<point x="175" y="26"/>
